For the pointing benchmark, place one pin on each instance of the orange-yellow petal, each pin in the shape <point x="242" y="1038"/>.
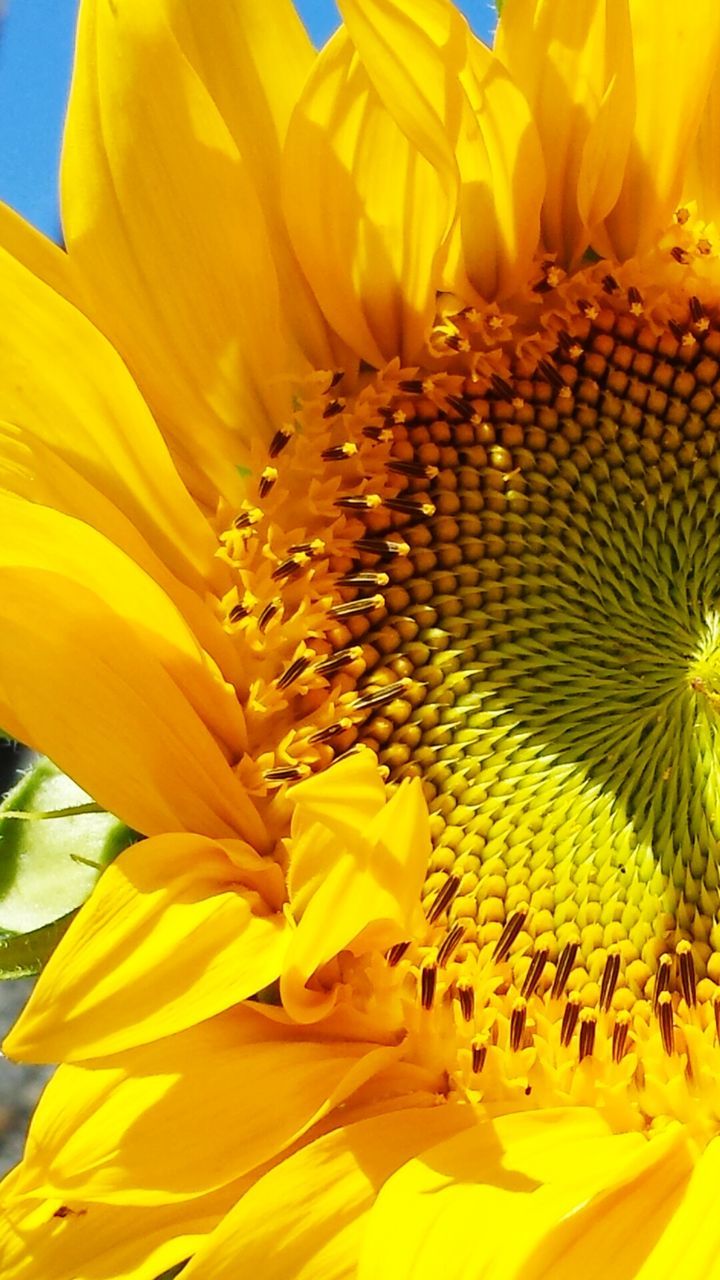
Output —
<point x="326" y="1190"/>
<point x="679" y="46"/>
<point x="453" y="99"/>
<point x="100" y="672"/>
<point x="573" y="62"/>
<point x="168" y="938"/>
<point x="170" y="239"/>
<point x="368" y="228"/>
<point x="177" y="1118"/>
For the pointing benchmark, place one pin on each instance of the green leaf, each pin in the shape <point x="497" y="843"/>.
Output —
<point x="54" y="843"/>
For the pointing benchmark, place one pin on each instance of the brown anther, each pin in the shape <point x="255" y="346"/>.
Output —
<point x="244" y="519"/>
<point x="338" y="376"/>
<point x="518" y="1018"/>
<point x="238" y="612"/>
<point x="697" y="310"/>
<point x="358" y="502"/>
<point x="382" y="546"/>
<point x="534" y="973"/>
<point x="269" y="612"/>
<point x="353" y="608"/>
<point x="410" y="506"/>
<point x="331" y="731"/>
<point x="428" y="982"/>
<point x="682" y="216"/>
<point x="287" y="773"/>
<point x="267" y="480"/>
<point x="413" y="469"/>
<point x="443" y="898"/>
<point x="611" y="973"/>
<point x="678" y="331"/>
<point x="462" y="406"/>
<point x="662" y="979"/>
<point x="313" y="548"/>
<point x="396" y="953"/>
<point x="571" y="1013"/>
<point x="364" y="579"/>
<point x="332" y="409"/>
<point x="478" y="1050"/>
<point x="686" y="965"/>
<point x="450" y="944"/>
<point x="509" y="933"/>
<point x="565" y="963"/>
<point x="335" y="661"/>
<point x="455" y="342"/>
<point x="288" y="568"/>
<point x="588" y="1025"/>
<point x="339" y="452"/>
<point x="413" y="386"/>
<point x="620" y="1035"/>
<point x="466" y="1000"/>
<point x="293" y="672"/>
<point x="282" y="437"/>
<point x="551" y="374"/>
<point x="610" y="284"/>
<point x="587" y="308"/>
<point x="665" y="1021"/>
<point x="636" y="300"/>
<point x="501" y="387"/>
<point x="680" y="255"/>
<point x="703" y="247"/>
<point x="379" y="697"/>
<point x="381" y="435"/>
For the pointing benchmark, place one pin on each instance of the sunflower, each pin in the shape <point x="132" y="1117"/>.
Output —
<point x="361" y="502"/>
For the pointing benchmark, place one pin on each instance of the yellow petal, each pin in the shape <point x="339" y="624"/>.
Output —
<point x="453" y="100"/>
<point x="573" y="62"/>
<point x="368" y="228"/>
<point x="353" y="895"/>
<point x="100" y="672"/>
<point x="613" y="1229"/>
<point x="68" y="395"/>
<point x="183" y="1116"/>
<point x="325" y="1191"/>
<point x="678" y="46"/>
<point x="43" y="257"/>
<point x="163" y="222"/>
<point x="168" y="938"/>
<point x="76" y="435"/>
<point x="54" y="1240"/>
<point x="531" y="1179"/>
<point x="265" y="48"/>
<point x="690" y="1244"/>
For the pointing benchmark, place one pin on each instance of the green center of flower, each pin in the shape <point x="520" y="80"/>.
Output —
<point x="557" y="624"/>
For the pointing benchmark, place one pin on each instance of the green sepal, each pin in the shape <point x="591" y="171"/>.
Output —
<point x="22" y="955"/>
<point x="54" y="844"/>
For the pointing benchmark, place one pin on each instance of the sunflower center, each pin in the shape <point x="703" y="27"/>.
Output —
<point x="559" y="612"/>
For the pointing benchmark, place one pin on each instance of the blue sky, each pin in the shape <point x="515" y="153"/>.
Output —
<point x="35" y="57"/>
